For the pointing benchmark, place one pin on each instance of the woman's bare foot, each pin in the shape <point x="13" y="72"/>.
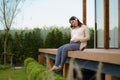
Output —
<point x="59" y="68"/>
<point x="55" y="68"/>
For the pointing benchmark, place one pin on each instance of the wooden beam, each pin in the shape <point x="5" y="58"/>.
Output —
<point x="84" y="12"/>
<point x="109" y="77"/>
<point x="41" y="59"/>
<point x="49" y="62"/>
<point x="96" y="56"/>
<point x="65" y="69"/>
<point x="106" y="24"/>
<point x="102" y="55"/>
<point x="47" y="50"/>
<point x="110" y="58"/>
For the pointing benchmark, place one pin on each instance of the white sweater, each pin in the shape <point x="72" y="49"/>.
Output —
<point x="81" y="33"/>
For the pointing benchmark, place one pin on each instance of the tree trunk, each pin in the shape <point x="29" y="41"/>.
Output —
<point x="5" y="45"/>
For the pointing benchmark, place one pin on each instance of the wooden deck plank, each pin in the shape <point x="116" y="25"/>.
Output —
<point x="102" y="55"/>
<point x="50" y="51"/>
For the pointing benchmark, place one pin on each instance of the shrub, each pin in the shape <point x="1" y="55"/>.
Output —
<point x="36" y="71"/>
<point x="27" y="61"/>
<point x="3" y="67"/>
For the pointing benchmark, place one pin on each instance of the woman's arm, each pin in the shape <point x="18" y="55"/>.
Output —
<point x="86" y="35"/>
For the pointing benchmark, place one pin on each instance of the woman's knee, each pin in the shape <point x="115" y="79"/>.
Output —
<point x="60" y="48"/>
<point x="67" y="48"/>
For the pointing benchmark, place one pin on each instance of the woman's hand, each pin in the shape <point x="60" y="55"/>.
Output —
<point x="76" y="40"/>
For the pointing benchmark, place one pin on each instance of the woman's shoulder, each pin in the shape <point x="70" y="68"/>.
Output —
<point x="84" y="26"/>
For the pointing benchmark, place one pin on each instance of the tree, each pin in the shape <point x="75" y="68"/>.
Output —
<point x="54" y="38"/>
<point x="8" y="12"/>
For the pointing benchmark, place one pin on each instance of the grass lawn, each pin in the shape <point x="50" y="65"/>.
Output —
<point x="13" y="74"/>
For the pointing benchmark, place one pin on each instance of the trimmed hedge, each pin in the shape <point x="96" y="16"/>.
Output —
<point x="36" y="71"/>
<point x="27" y="61"/>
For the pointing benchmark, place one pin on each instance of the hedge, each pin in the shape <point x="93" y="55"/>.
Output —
<point x="25" y="43"/>
<point x="36" y="71"/>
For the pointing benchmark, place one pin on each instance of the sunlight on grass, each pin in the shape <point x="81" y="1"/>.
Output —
<point x="13" y="74"/>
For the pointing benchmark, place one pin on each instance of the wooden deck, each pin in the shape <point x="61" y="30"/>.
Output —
<point x="101" y="55"/>
<point x="109" y="57"/>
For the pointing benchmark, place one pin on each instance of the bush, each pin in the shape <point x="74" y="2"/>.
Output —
<point x="27" y="61"/>
<point x="3" y="67"/>
<point x="36" y="71"/>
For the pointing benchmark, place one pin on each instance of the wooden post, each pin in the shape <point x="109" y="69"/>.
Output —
<point x="65" y="69"/>
<point x="40" y="59"/>
<point x="84" y="12"/>
<point x="49" y="62"/>
<point x="109" y="77"/>
<point x="106" y="24"/>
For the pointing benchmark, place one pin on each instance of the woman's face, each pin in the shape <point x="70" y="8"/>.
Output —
<point x="74" y="23"/>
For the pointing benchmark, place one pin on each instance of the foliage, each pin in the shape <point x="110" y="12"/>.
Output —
<point x="1" y="46"/>
<point x="9" y="43"/>
<point x="91" y="41"/>
<point x="13" y="74"/>
<point x="27" y="61"/>
<point x="8" y="11"/>
<point x="54" y="38"/>
<point x="4" y="67"/>
<point x="25" y="43"/>
<point x="36" y="71"/>
<point x="66" y="38"/>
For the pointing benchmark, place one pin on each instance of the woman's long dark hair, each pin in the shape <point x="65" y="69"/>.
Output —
<point x="75" y="18"/>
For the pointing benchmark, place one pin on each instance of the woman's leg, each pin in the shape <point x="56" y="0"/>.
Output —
<point x="58" y="58"/>
<point x="58" y="55"/>
<point x="68" y="47"/>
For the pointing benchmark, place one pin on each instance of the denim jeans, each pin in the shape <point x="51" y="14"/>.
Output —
<point x="62" y="52"/>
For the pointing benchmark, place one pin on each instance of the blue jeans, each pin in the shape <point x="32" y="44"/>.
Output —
<point x="63" y="50"/>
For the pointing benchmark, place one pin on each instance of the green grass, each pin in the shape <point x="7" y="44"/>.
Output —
<point x="13" y="74"/>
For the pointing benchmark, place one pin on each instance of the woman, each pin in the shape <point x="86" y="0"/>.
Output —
<point x="79" y="37"/>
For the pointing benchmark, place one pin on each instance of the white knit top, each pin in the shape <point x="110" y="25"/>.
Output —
<point x="81" y="33"/>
